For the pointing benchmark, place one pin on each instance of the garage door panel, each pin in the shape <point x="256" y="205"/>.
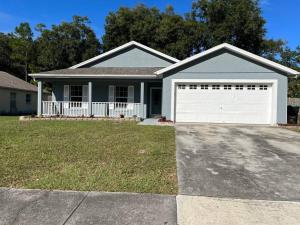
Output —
<point x="225" y="106"/>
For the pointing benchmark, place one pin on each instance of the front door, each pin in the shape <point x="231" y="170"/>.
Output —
<point x="155" y="101"/>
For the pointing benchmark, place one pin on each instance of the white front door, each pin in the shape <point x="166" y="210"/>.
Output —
<point x="224" y="103"/>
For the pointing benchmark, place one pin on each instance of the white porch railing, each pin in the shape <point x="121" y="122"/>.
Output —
<point x="99" y="109"/>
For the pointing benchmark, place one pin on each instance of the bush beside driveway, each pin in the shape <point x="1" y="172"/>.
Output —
<point x="87" y="155"/>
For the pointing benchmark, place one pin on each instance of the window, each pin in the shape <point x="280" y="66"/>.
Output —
<point x="181" y="86"/>
<point x="193" y="86"/>
<point x="121" y="94"/>
<point x="216" y="87"/>
<point x="227" y="87"/>
<point x="76" y="93"/>
<point x="251" y="87"/>
<point x="263" y="87"/>
<point x="239" y="87"/>
<point x="204" y="87"/>
<point x="28" y="98"/>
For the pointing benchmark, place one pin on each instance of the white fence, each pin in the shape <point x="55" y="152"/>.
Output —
<point x="99" y="109"/>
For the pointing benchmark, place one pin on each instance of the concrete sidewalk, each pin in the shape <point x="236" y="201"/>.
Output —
<point x="38" y="207"/>
<point x="196" y="210"/>
<point x="30" y="207"/>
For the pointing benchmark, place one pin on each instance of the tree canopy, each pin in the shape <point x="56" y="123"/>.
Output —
<point x="165" y="31"/>
<point x="237" y="22"/>
<point x="21" y="43"/>
<point x="208" y="23"/>
<point x="66" y="44"/>
<point x="58" y="47"/>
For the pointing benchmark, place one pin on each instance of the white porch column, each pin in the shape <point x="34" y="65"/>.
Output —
<point x="142" y="99"/>
<point x="90" y="98"/>
<point x="142" y="92"/>
<point x="39" y="98"/>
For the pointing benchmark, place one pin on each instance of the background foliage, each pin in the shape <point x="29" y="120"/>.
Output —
<point x="209" y="23"/>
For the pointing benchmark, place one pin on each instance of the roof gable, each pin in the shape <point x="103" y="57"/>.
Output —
<point x="235" y="51"/>
<point x="222" y="61"/>
<point x="142" y="53"/>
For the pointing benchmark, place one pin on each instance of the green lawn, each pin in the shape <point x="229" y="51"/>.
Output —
<point x="87" y="155"/>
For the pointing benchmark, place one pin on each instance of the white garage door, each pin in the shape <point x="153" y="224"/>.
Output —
<point x="224" y="103"/>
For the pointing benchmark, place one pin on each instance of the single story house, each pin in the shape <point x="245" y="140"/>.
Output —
<point x="224" y="84"/>
<point x="16" y="96"/>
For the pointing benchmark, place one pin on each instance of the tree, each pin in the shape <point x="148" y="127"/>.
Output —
<point x="272" y="49"/>
<point x="21" y="44"/>
<point x="176" y="35"/>
<point x="164" y="31"/>
<point x="5" y="62"/>
<point x="237" y="22"/>
<point x="139" y="24"/>
<point x="66" y="44"/>
<point x="294" y="88"/>
<point x="292" y="59"/>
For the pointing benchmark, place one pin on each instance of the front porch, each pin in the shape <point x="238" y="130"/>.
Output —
<point x="101" y="98"/>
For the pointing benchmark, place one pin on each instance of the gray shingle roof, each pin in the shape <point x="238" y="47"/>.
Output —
<point x="106" y="71"/>
<point x="9" y="81"/>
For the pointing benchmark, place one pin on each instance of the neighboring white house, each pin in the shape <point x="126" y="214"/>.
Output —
<point x="224" y="84"/>
<point x="16" y="95"/>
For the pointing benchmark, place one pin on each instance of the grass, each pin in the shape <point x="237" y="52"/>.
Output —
<point x="87" y="155"/>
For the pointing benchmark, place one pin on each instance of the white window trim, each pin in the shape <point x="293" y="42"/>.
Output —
<point x="216" y="87"/>
<point x="204" y="86"/>
<point x="182" y="87"/>
<point x="121" y="86"/>
<point x="227" y="87"/>
<point x="128" y="97"/>
<point x="75" y="85"/>
<point x="273" y="82"/>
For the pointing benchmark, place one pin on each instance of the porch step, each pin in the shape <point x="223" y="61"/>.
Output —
<point x="149" y="121"/>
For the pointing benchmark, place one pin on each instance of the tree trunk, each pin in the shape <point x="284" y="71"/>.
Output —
<point x="26" y="72"/>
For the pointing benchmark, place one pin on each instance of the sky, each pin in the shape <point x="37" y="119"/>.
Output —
<point x="282" y="16"/>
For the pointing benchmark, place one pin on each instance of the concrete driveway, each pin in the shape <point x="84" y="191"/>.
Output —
<point x="236" y="161"/>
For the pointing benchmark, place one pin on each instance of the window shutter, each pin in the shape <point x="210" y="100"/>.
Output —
<point x="130" y="94"/>
<point x="66" y="92"/>
<point x="85" y="93"/>
<point x="111" y="93"/>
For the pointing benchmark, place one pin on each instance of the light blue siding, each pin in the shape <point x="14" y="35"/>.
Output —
<point x="132" y="57"/>
<point x="227" y="66"/>
<point x="99" y="89"/>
